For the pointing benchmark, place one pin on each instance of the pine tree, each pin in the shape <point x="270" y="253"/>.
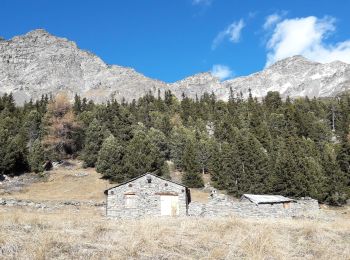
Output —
<point x="142" y="155"/>
<point x="343" y="159"/>
<point x="32" y="127"/>
<point x="335" y="182"/>
<point x="298" y="171"/>
<point x="158" y="138"/>
<point x="203" y="148"/>
<point x="191" y="177"/>
<point x="13" y="155"/>
<point x="77" y="107"/>
<point x="273" y="101"/>
<point x="285" y="169"/>
<point x="110" y="160"/>
<point x="255" y="176"/>
<point x="36" y="157"/>
<point x="231" y="169"/>
<point x="180" y="136"/>
<point x="94" y="137"/>
<point x="215" y="165"/>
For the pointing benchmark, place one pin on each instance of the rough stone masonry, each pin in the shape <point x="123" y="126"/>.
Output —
<point x="147" y="195"/>
<point x="222" y="206"/>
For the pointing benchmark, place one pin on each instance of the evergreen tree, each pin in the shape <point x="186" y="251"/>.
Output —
<point x="230" y="169"/>
<point x="142" y="155"/>
<point x="191" y="177"/>
<point x="32" y="126"/>
<point x="94" y="137"/>
<point x="180" y="136"/>
<point x="273" y="101"/>
<point x="13" y="155"/>
<point x="203" y="148"/>
<point x="215" y="165"/>
<point x="110" y="160"/>
<point x="255" y="176"/>
<point x="297" y="172"/>
<point x="77" y="107"/>
<point x="343" y="159"/>
<point x="335" y="179"/>
<point x="36" y="157"/>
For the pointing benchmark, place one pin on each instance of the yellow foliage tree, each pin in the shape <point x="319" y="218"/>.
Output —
<point x="60" y="127"/>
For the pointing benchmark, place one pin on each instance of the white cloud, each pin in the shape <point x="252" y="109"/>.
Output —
<point x="221" y="71"/>
<point x="271" y="20"/>
<point x="232" y="32"/>
<point x="306" y="36"/>
<point x="202" y="2"/>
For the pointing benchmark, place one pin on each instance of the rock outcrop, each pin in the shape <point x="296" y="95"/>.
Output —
<point x="39" y="63"/>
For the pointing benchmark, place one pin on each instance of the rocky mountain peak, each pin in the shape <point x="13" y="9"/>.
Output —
<point x="293" y="62"/>
<point x="37" y="33"/>
<point x="40" y="63"/>
<point x="199" y="79"/>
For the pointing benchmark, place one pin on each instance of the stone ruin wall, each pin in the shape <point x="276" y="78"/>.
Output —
<point x="222" y="206"/>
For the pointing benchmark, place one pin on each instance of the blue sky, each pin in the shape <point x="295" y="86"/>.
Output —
<point x="172" y="39"/>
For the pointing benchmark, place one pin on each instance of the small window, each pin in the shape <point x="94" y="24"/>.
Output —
<point x="130" y="185"/>
<point x="149" y="179"/>
<point x="166" y="184"/>
<point x="286" y="205"/>
<point x="130" y="201"/>
<point x="112" y="193"/>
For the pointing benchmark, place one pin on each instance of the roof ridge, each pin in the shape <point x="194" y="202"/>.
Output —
<point x="140" y="176"/>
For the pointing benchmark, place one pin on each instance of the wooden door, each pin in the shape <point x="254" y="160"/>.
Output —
<point x="169" y="205"/>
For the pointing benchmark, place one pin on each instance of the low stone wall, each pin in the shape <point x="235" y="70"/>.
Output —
<point x="223" y="206"/>
<point x="48" y="204"/>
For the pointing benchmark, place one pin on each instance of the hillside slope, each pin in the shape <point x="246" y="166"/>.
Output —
<point x="71" y="182"/>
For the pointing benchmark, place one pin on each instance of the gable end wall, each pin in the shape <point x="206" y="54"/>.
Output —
<point x="147" y="198"/>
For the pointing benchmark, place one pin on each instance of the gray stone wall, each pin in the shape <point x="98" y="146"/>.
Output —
<point x="223" y="206"/>
<point x="147" y="198"/>
<point x="50" y="205"/>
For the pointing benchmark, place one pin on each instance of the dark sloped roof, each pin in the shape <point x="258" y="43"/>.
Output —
<point x="148" y="173"/>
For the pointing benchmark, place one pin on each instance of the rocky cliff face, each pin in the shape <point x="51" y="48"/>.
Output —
<point x="296" y="77"/>
<point x="39" y="63"/>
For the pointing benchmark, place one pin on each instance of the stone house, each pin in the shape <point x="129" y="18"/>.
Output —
<point x="147" y="195"/>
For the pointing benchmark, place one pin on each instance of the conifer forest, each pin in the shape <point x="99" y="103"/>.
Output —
<point x="295" y="148"/>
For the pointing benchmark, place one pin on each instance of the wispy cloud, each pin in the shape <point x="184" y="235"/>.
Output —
<point x="306" y="36"/>
<point x="202" y="2"/>
<point x="271" y="20"/>
<point x="232" y="32"/>
<point x="221" y="71"/>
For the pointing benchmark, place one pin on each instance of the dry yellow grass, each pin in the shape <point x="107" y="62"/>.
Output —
<point x="69" y="233"/>
<point x="63" y="184"/>
<point x="86" y="234"/>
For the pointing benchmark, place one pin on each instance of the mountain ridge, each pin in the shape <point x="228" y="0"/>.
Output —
<point x="38" y="63"/>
